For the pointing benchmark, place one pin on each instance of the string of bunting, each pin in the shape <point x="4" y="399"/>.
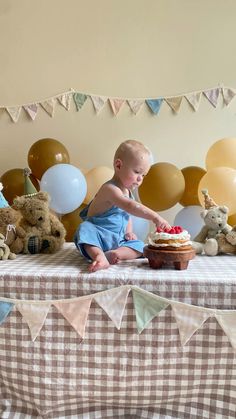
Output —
<point x="147" y="305"/>
<point x="116" y="103"/>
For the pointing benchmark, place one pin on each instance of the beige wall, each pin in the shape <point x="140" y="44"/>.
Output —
<point x="126" y="48"/>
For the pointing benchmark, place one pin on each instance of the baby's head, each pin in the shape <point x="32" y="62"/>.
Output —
<point x="132" y="149"/>
<point x="132" y="155"/>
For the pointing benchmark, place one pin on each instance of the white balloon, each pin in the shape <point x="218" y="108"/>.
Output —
<point x="66" y="186"/>
<point x="190" y="219"/>
<point x="140" y="227"/>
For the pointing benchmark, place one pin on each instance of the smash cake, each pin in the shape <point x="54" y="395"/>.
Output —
<point x="174" y="238"/>
<point x="169" y="246"/>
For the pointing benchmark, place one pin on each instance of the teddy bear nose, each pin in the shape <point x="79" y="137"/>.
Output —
<point x="220" y="224"/>
<point x="40" y="218"/>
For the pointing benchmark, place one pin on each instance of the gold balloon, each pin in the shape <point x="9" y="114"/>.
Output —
<point x="95" y="179"/>
<point x="14" y="184"/>
<point x="45" y="153"/>
<point x="221" y="185"/>
<point x="192" y="177"/>
<point x="71" y="222"/>
<point x="232" y="220"/>
<point x="163" y="186"/>
<point x="222" y="154"/>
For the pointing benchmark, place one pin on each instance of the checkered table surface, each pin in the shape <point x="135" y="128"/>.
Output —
<point x="116" y="373"/>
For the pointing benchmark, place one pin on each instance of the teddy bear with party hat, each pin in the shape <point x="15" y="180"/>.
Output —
<point x="216" y="236"/>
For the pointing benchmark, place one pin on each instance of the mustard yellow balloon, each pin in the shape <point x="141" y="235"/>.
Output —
<point x="163" y="186"/>
<point x="221" y="185"/>
<point x="232" y="220"/>
<point x="95" y="179"/>
<point x="192" y="177"/>
<point x="222" y="154"/>
<point x="71" y="222"/>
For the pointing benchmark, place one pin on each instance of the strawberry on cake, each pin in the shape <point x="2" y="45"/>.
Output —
<point x="174" y="238"/>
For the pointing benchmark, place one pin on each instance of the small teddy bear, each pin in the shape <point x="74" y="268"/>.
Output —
<point x="13" y="233"/>
<point x="5" y="252"/>
<point x="44" y="233"/>
<point x="215" y="218"/>
<point x="223" y="243"/>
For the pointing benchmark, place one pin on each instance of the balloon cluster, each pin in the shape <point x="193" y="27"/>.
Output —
<point x="51" y="171"/>
<point x="166" y="185"/>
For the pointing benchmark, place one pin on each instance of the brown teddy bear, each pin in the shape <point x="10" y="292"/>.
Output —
<point x="44" y="233"/>
<point x="223" y="243"/>
<point x="5" y="252"/>
<point x="9" y="228"/>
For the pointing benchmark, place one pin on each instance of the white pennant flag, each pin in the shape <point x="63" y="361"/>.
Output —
<point x="49" y="106"/>
<point x="228" y="95"/>
<point x="34" y="315"/>
<point x="31" y="110"/>
<point x="212" y="95"/>
<point x="14" y="112"/>
<point x="194" y="100"/>
<point x="135" y="105"/>
<point x="65" y="100"/>
<point x="98" y="102"/>
<point x="228" y="323"/>
<point x="113" y="302"/>
<point x="189" y="319"/>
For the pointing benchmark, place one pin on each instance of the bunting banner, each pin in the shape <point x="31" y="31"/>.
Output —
<point x="147" y="306"/>
<point x="154" y="104"/>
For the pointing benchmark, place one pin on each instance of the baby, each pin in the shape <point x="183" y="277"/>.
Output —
<point x="106" y="236"/>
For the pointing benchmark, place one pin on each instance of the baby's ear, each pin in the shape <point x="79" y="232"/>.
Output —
<point x="118" y="163"/>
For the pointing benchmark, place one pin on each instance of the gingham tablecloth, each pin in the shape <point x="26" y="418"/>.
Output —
<point x="116" y="373"/>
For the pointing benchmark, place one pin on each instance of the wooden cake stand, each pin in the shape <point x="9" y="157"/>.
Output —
<point x="157" y="257"/>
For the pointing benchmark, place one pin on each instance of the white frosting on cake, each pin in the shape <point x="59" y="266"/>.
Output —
<point x="184" y="236"/>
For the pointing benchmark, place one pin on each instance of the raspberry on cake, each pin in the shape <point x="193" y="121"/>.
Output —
<point x="175" y="238"/>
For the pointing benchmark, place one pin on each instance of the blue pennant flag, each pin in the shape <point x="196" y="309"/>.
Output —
<point x="154" y="105"/>
<point x="5" y="309"/>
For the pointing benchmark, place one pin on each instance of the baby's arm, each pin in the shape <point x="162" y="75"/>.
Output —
<point x="129" y="235"/>
<point x="116" y="197"/>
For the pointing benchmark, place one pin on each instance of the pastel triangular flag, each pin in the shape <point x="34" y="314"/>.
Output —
<point x="14" y="112"/>
<point x="75" y="312"/>
<point x="154" y="105"/>
<point x="65" y="100"/>
<point x="49" y="106"/>
<point x="79" y="99"/>
<point x="174" y="102"/>
<point x="34" y="315"/>
<point x="135" y="105"/>
<point x="31" y="110"/>
<point x="5" y="309"/>
<point x="98" y="102"/>
<point x="146" y="308"/>
<point x="212" y="95"/>
<point x="228" y="323"/>
<point x="113" y="302"/>
<point x="228" y="95"/>
<point x="189" y="319"/>
<point x="116" y="105"/>
<point x="194" y="99"/>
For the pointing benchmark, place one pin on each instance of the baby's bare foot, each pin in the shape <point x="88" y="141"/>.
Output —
<point x="99" y="264"/>
<point x="112" y="257"/>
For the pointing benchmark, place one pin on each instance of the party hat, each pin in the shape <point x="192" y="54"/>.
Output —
<point x="29" y="188"/>
<point x="3" y="201"/>
<point x="209" y="203"/>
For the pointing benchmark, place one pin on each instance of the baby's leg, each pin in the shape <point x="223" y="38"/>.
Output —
<point x="122" y="253"/>
<point x="99" y="260"/>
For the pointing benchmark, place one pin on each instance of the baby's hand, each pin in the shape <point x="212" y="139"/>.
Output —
<point x="130" y="236"/>
<point x="162" y="223"/>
